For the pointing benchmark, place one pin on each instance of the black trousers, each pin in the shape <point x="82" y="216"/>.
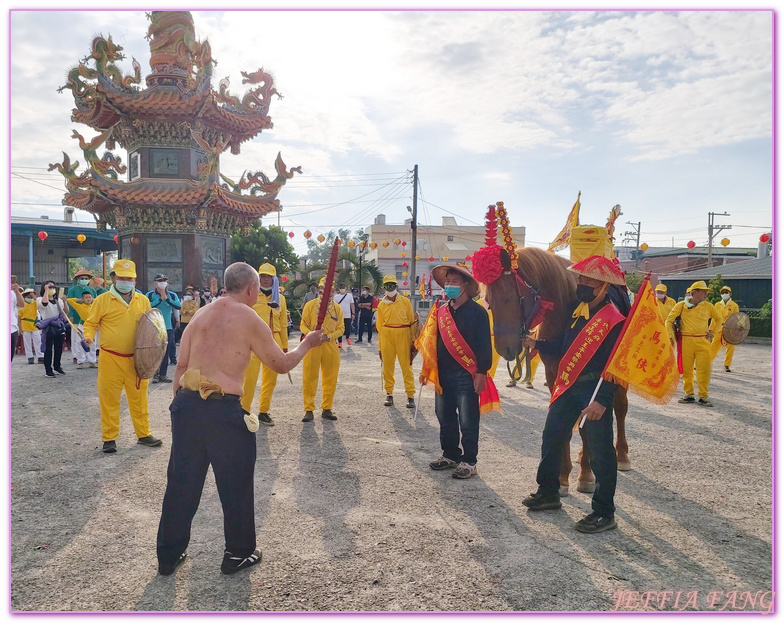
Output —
<point x="204" y="433"/>
<point x="170" y="350"/>
<point x="366" y="321"/>
<point x="561" y="418"/>
<point x="54" y="351"/>
<point x="14" y="340"/>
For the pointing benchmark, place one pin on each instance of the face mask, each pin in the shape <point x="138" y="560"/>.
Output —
<point x="452" y="292"/>
<point x="124" y="287"/>
<point x="391" y="293"/>
<point x="161" y="285"/>
<point x="342" y="290"/>
<point x="661" y="296"/>
<point x="365" y="293"/>
<point x="687" y="300"/>
<point x="187" y="297"/>
<point x="725" y="297"/>
<point x="84" y="282"/>
<point x="29" y="300"/>
<point x="266" y="291"/>
<point x="585" y="293"/>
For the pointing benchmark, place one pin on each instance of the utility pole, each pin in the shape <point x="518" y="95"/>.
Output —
<point x="712" y="231"/>
<point x="635" y="234"/>
<point x="412" y="279"/>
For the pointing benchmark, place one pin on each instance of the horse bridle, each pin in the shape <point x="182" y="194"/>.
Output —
<point x="516" y="373"/>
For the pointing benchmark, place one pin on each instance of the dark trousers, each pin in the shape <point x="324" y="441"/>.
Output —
<point x="178" y="332"/>
<point x="14" y="340"/>
<point x="366" y="321"/>
<point x="204" y="433"/>
<point x="561" y="418"/>
<point x="457" y="410"/>
<point x="54" y="351"/>
<point x="170" y="350"/>
<point x="346" y="330"/>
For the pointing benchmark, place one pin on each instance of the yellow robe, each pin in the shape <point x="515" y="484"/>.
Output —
<point x="277" y="320"/>
<point x="324" y="358"/>
<point x="665" y="306"/>
<point x="397" y="326"/>
<point x="725" y="311"/>
<point x="27" y="317"/>
<point x="117" y="323"/>
<point x="695" y="344"/>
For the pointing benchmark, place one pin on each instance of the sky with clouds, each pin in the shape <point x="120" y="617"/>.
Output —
<point x="667" y="113"/>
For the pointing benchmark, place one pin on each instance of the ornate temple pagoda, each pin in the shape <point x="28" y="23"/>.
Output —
<point x="173" y="209"/>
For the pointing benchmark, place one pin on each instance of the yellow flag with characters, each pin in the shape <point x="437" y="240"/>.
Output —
<point x="562" y="239"/>
<point x="644" y="360"/>
<point x="426" y="344"/>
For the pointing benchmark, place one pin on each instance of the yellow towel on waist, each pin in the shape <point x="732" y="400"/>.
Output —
<point x="193" y="380"/>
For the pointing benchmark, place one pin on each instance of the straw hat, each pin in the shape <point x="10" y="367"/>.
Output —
<point x="699" y="285"/>
<point x="599" y="268"/>
<point x="82" y="272"/>
<point x="439" y="274"/>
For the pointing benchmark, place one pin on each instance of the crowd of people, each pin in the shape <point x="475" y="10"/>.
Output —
<point x="215" y="381"/>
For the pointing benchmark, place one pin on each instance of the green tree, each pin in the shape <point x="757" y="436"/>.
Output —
<point x="348" y="272"/>
<point x="714" y="293"/>
<point x="265" y="244"/>
<point x="634" y="281"/>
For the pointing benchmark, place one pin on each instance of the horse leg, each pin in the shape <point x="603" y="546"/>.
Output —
<point x="586" y="482"/>
<point x="621" y="446"/>
<point x="566" y="468"/>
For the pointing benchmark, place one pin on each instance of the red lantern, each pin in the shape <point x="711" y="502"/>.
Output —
<point x="291" y="234"/>
<point x="405" y="264"/>
<point x="43" y="235"/>
<point x="283" y="278"/>
<point x="431" y="258"/>
<point x="468" y="258"/>
<point x="307" y="234"/>
<point x="764" y="238"/>
<point x="405" y="283"/>
<point x="691" y="244"/>
<point x="403" y="243"/>
<point x="116" y="239"/>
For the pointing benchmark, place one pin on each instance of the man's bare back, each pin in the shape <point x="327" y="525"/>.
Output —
<point x="220" y="337"/>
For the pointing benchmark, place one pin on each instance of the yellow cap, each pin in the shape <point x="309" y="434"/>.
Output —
<point x="323" y="281"/>
<point x="268" y="269"/>
<point x="699" y="285"/>
<point x="390" y="278"/>
<point x="726" y="289"/>
<point x="124" y="268"/>
<point x="661" y="288"/>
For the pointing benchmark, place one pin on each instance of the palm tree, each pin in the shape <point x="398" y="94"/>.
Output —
<point x="349" y="272"/>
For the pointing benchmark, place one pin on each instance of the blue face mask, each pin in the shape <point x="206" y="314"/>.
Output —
<point x="84" y="282"/>
<point x="452" y="292"/>
<point x="123" y="287"/>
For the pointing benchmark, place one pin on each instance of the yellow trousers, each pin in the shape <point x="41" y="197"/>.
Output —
<point x="269" y="378"/>
<point x="534" y="365"/>
<point x="396" y="344"/>
<point x="115" y="374"/>
<point x="696" y="353"/>
<point x="729" y="349"/>
<point x="327" y="359"/>
<point x="494" y="364"/>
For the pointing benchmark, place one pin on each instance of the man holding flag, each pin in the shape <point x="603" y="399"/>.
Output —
<point x="584" y="352"/>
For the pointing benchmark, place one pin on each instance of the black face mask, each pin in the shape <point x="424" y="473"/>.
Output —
<point x="585" y="293"/>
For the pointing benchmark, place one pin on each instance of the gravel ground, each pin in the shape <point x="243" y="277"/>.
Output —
<point x="350" y="517"/>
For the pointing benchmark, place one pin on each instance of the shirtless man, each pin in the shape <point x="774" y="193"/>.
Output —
<point x="209" y="427"/>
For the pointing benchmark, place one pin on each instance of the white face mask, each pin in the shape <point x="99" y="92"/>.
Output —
<point x="161" y="285"/>
<point x="661" y="296"/>
<point x="391" y="294"/>
<point x="342" y="290"/>
<point x="187" y="297"/>
<point x="124" y="287"/>
<point x="725" y="296"/>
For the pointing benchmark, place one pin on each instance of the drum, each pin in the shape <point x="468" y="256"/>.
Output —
<point x="736" y="328"/>
<point x="149" y="344"/>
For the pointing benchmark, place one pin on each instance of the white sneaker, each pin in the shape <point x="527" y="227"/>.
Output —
<point x="82" y="366"/>
<point x="464" y="470"/>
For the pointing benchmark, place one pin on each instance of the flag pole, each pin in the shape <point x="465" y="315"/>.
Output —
<point x="618" y="341"/>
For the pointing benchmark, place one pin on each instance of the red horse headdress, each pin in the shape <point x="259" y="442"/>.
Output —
<point x="487" y="260"/>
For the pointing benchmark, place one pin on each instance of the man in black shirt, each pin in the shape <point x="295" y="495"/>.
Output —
<point x="464" y="325"/>
<point x="365" y="314"/>
<point x="583" y="352"/>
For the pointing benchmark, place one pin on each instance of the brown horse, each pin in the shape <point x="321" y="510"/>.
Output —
<point x="515" y="299"/>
